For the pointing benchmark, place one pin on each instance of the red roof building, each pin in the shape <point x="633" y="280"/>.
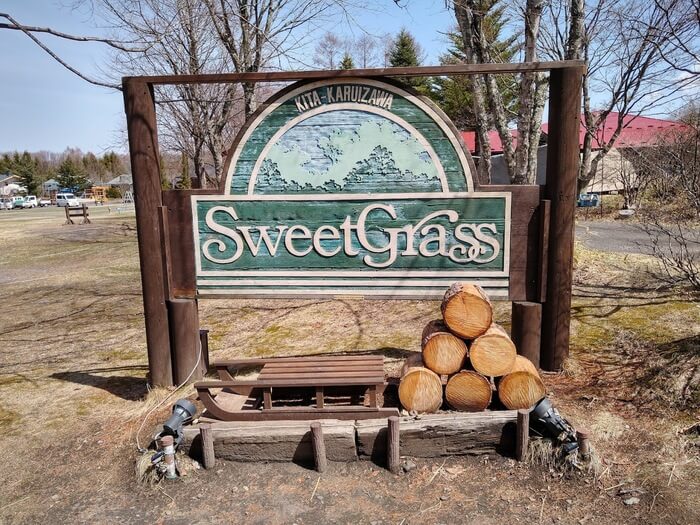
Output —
<point x="637" y="131"/>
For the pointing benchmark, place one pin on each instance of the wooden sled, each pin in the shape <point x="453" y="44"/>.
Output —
<point x="325" y="376"/>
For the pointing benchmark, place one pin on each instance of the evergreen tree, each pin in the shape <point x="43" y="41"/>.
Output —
<point x="185" y="182"/>
<point x="405" y="52"/>
<point x="112" y="164"/>
<point x="347" y="62"/>
<point x="453" y="94"/>
<point x="5" y="164"/>
<point x="70" y="174"/>
<point x="25" y="168"/>
<point x="93" y="167"/>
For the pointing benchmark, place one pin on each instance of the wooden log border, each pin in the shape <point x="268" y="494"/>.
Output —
<point x="541" y="237"/>
<point x="382" y="441"/>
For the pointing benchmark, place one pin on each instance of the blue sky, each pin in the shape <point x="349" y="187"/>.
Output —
<point x="46" y="107"/>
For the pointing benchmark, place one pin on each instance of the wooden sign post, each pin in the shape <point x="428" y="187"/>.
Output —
<point x="351" y="185"/>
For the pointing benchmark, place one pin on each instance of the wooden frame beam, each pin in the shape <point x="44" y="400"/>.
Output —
<point x="563" y="158"/>
<point x="562" y="171"/>
<point x="141" y="125"/>
<point x="419" y="71"/>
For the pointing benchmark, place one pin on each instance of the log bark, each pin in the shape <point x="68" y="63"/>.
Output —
<point x="466" y="310"/>
<point x="493" y="353"/>
<point x="526" y="330"/>
<point x="393" y="457"/>
<point x="420" y="390"/>
<point x="319" y="447"/>
<point x="468" y="391"/>
<point x="443" y="352"/>
<point x="412" y="361"/>
<point x="522" y="388"/>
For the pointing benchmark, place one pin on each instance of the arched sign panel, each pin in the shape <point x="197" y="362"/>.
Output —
<point x="350" y="187"/>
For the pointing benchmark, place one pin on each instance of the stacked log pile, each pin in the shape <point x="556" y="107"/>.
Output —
<point x="473" y="357"/>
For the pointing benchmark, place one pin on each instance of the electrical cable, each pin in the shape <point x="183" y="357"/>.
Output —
<point x="143" y="423"/>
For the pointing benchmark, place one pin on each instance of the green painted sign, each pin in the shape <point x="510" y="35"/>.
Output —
<point x="349" y="187"/>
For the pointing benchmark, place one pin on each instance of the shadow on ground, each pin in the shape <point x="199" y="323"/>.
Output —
<point x="129" y="388"/>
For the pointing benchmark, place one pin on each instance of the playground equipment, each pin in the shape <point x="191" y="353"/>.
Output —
<point x="96" y="193"/>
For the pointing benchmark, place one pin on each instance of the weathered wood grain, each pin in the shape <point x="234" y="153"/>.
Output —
<point x="181" y="240"/>
<point x="526" y="329"/>
<point x="438" y="435"/>
<point x="318" y="446"/>
<point x="185" y="340"/>
<point x="143" y="150"/>
<point x="207" y="444"/>
<point x="522" y="439"/>
<point x="418" y="71"/>
<point x="524" y="235"/>
<point x="562" y="172"/>
<point x="274" y="441"/>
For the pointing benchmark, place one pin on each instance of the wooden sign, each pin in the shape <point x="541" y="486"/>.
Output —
<point x="350" y="187"/>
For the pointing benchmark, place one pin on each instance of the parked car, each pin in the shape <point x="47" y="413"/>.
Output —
<point x="30" y="201"/>
<point x="17" y="203"/>
<point x="44" y="202"/>
<point x="5" y="203"/>
<point x="588" y="200"/>
<point x="67" y="199"/>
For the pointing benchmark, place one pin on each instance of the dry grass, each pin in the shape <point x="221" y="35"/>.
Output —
<point x="546" y="453"/>
<point x="73" y="366"/>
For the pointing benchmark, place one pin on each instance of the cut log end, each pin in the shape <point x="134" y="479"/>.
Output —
<point x="523" y="364"/>
<point x="520" y="390"/>
<point x="466" y="310"/>
<point x="493" y="353"/>
<point x="420" y="390"/>
<point x="443" y="352"/>
<point x="468" y="391"/>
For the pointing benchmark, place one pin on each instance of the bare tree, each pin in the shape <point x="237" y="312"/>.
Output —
<point x="14" y="25"/>
<point x="532" y="99"/>
<point x="632" y="58"/>
<point x="365" y="50"/>
<point x="676" y="247"/>
<point x="679" y="33"/>
<point x="198" y="120"/>
<point x="260" y="34"/>
<point x="488" y="103"/>
<point x="387" y="44"/>
<point x="468" y="27"/>
<point x="190" y="37"/>
<point x="329" y="51"/>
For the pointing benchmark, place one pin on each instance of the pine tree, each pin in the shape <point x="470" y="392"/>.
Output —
<point x="5" y="164"/>
<point x="405" y="52"/>
<point x="453" y="94"/>
<point x="112" y="164"/>
<point x="347" y="62"/>
<point x="93" y="167"/>
<point x="25" y="168"/>
<point x="185" y="182"/>
<point x="70" y="174"/>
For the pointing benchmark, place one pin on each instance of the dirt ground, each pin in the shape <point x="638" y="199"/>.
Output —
<point x="73" y="394"/>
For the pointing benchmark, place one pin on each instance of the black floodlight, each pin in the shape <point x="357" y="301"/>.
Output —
<point x="547" y="422"/>
<point x="183" y="412"/>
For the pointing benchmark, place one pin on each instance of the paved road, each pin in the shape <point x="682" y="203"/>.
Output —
<point x="620" y="237"/>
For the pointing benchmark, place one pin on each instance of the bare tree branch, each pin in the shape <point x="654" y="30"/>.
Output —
<point x="16" y="25"/>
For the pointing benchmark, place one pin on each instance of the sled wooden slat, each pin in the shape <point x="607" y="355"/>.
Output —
<point x="345" y="374"/>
